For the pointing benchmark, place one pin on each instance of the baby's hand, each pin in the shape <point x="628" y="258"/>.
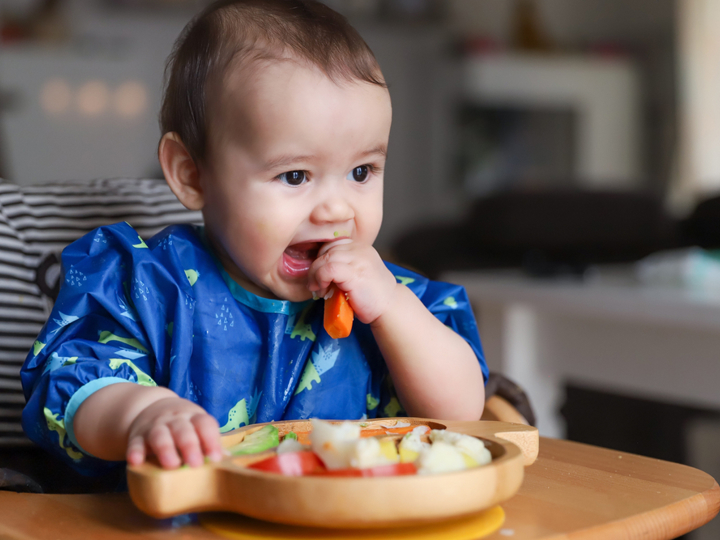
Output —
<point x="176" y="431"/>
<point x="357" y="270"/>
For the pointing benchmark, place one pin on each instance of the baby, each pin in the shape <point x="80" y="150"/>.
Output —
<point x="275" y="124"/>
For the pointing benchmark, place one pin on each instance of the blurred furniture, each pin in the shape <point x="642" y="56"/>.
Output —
<point x="702" y="226"/>
<point x="603" y="92"/>
<point x="607" y="331"/>
<point x="572" y="490"/>
<point x="505" y="401"/>
<point x="547" y="232"/>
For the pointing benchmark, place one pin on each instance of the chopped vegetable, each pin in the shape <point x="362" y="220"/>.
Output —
<point x="291" y="464"/>
<point x="471" y="447"/>
<point x="367" y="453"/>
<point x="290" y="445"/>
<point x="407" y="455"/>
<point x="257" y="441"/>
<point x="395" y="469"/>
<point x="440" y="457"/>
<point x="410" y="447"/>
<point x="338" y="317"/>
<point x="334" y="443"/>
<point x="389" y="450"/>
<point x="291" y="435"/>
<point x="308" y="464"/>
<point x="373" y="432"/>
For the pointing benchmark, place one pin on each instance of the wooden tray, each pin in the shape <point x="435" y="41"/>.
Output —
<point x="340" y="502"/>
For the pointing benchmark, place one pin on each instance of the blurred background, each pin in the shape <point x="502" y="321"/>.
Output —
<point x="559" y="158"/>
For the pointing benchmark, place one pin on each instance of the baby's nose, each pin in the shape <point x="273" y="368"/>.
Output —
<point x="332" y="210"/>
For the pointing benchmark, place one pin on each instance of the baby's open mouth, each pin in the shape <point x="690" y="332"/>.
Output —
<point x="298" y="258"/>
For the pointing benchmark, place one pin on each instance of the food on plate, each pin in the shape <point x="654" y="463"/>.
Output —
<point x="410" y="447"/>
<point x="301" y="463"/>
<point x="471" y="447"/>
<point x="338" y="315"/>
<point x="258" y="441"/>
<point x="334" y="443"/>
<point x="306" y="463"/>
<point x="341" y="449"/>
<point x="288" y="445"/>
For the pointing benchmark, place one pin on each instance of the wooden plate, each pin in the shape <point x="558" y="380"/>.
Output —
<point x="341" y="502"/>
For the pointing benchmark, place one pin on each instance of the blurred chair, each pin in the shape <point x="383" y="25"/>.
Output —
<point x="505" y="401"/>
<point x="37" y="222"/>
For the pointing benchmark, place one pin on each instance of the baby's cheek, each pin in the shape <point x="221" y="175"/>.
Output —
<point x="268" y="230"/>
<point x="269" y="236"/>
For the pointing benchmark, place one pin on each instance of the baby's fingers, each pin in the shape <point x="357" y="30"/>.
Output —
<point x="161" y="442"/>
<point x="187" y="441"/>
<point x="136" y="451"/>
<point x="208" y="431"/>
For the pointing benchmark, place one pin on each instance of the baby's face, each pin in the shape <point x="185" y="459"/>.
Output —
<point x="294" y="161"/>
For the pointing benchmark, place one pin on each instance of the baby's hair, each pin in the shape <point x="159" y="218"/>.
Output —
<point x="242" y="31"/>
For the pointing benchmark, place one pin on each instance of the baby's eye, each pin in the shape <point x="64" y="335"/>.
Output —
<point x="293" y="178"/>
<point x="359" y="174"/>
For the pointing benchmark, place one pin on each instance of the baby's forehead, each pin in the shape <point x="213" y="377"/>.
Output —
<point x="248" y="79"/>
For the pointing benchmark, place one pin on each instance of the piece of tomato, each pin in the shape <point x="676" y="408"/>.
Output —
<point x="291" y="464"/>
<point x="394" y="469"/>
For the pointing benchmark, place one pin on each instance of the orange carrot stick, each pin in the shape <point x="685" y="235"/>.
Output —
<point x="338" y="318"/>
<point x="375" y="432"/>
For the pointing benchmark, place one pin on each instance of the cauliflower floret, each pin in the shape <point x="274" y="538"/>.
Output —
<point x="410" y="447"/>
<point x="472" y="447"/>
<point x="412" y="441"/>
<point x="444" y="435"/>
<point x="290" y="445"/>
<point x="334" y="444"/>
<point x="368" y="453"/>
<point x="440" y="457"/>
<point x="475" y="449"/>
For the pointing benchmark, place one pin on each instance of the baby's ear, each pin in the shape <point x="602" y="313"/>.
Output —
<point x="180" y="171"/>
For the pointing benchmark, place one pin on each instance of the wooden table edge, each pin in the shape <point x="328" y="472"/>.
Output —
<point x="658" y="524"/>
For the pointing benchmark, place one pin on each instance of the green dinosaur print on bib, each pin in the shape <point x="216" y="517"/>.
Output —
<point x="143" y="378"/>
<point x="107" y="336"/>
<point x="58" y="426"/>
<point x="372" y="402"/>
<point x="302" y="329"/>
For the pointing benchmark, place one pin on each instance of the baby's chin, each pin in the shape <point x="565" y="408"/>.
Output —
<point x="294" y="293"/>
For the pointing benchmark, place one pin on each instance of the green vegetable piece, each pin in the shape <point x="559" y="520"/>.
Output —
<point x="291" y="435"/>
<point x="258" y="441"/>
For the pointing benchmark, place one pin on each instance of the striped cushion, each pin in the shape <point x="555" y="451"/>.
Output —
<point x="36" y="223"/>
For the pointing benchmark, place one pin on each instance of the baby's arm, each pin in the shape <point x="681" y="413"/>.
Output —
<point x="146" y="419"/>
<point x="434" y="370"/>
